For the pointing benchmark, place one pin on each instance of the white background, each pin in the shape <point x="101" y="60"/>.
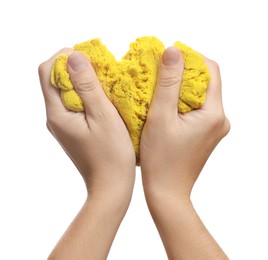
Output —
<point x="40" y="189"/>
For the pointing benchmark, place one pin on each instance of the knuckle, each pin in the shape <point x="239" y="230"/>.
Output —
<point x="49" y="127"/>
<point x="220" y="124"/>
<point x="159" y="121"/>
<point x="65" y="50"/>
<point x="42" y="68"/>
<point x="101" y="118"/>
<point x="85" y="84"/>
<point x="154" y="120"/>
<point x="53" y="123"/>
<point x="169" y="81"/>
<point x="217" y="120"/>
<point x="227" y="127"/>
<point x="213" y="66"/>
<point x="216" y="67"/>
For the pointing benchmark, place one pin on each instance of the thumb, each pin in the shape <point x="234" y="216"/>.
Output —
<point x="166" y="95"/>
<point x="87" y="85"/>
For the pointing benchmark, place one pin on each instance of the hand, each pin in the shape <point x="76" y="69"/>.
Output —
<point x="98" y="143"/>
<point x="174" y="148"/>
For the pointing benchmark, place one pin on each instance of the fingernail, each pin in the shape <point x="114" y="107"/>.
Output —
<point x="171" y="56"/>
<point x="77" y="61"/>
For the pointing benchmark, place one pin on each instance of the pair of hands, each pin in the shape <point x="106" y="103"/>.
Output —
<point x="174" y="148"/>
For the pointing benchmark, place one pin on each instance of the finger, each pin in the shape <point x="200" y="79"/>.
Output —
<point x="165" y="99"/>
<point x="51" y="94"/>
<point x="87" y="85"/>
<point x="214" y="90"/>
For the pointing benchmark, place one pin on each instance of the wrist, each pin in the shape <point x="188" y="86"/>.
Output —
<point x="164" y="200"/>
<point x="115" y="199"/>
<point x="167" y="184"/>
<point x="163" y="192"/>
<point x="109" y="184"/>
<point x="181" y="230"/>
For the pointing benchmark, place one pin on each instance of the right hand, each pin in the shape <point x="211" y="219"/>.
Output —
<point x="174" y="147"/>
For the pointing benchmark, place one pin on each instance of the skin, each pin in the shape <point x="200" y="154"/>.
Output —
<point x="174" y="148"/>
<point x="98" y="143"/>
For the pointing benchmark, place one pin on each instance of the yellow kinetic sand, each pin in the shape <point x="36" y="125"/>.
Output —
<point x="130" y="83"/>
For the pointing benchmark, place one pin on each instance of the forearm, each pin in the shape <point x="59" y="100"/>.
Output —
<point x="182" y="232"/>
<point x="91" y="234"/>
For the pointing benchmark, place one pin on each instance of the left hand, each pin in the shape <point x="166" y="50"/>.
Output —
<point x="97" y="141"/>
